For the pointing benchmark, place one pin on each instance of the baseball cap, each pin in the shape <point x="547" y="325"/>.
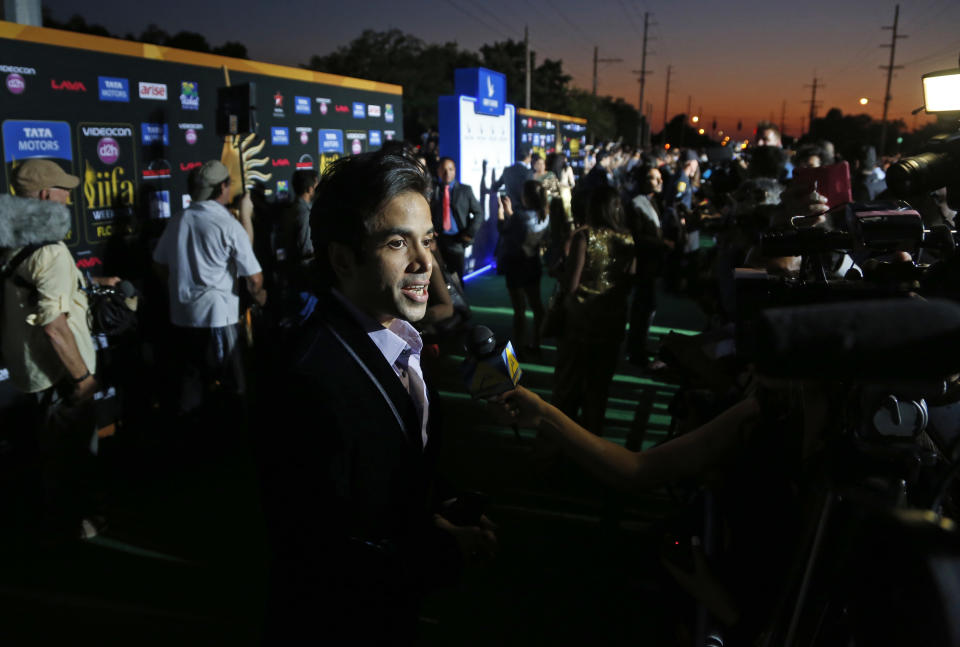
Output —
<point x="689" y="155"/>
<point x="38" y="174"/>
<point x="205" y="179"/>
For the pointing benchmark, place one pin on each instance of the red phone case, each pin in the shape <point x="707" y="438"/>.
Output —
<point x="833" y="181"/>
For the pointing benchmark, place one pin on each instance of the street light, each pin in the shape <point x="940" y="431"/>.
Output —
<point x="695" y="119"/>
<point x="701" y="131"/>
<point x="864" y="101"/>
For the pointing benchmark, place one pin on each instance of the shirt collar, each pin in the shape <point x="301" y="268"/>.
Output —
<point x="392" y="341"/>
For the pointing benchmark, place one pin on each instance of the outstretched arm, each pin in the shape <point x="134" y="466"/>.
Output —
<point x="690" y="455"/>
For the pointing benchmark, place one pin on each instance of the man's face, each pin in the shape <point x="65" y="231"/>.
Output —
<point x="56" y="194"/>
<point x="768" y="137"/>
<point x="393" y="279"/>
<point x="654" y="181"/>
<point x="690" y="167"/>
<point x="447" y="171"/>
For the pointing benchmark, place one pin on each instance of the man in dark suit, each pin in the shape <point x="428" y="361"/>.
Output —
<point x="457" y="215"/>
<point x="352" y="498"/>
<point x="513" y="177"/>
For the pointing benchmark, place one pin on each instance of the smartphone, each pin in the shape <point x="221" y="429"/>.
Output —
<point x="832" y="181"/>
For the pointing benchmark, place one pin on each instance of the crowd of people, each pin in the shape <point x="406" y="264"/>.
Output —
<point x="342" y="286"/>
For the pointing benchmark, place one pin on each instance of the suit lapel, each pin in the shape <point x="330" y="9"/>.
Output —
<point x="343" y="323"/>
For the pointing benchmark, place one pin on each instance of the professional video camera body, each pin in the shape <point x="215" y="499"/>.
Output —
<point x="835" y="527"/>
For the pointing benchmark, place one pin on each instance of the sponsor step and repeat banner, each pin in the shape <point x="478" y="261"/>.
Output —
<point x="131" y="120"/>
<point x="545" y="133"/>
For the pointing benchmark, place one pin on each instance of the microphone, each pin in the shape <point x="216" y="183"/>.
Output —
<point x="489" y="369"/>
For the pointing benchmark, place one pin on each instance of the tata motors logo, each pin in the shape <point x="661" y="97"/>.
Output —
<point x="154" y="134"/>
<point x="113" y="89"/>
<point x="189" y="95"/>
<point x="154" y="91"/>
<point x="108" y="150"/>
<point x="279" y="136"/>
<point x="359" y="111"/>
<point x="69" y="86"/>
<point x="301" y="105"/>
<point x="37" y="139"/>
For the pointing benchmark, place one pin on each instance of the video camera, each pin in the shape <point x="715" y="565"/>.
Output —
<point x="939" y="165"/>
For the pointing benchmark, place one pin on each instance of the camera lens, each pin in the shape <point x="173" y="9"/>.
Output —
<point x="920" y="174"/>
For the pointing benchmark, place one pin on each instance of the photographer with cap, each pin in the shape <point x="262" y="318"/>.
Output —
<point x="202" y="253"/>
<point x="46" y="340"/>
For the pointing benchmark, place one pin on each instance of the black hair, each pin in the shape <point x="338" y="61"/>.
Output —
<point x="535" y="197"/>
<point x="441" y="161"/>
<point x="639" y="173"/>
<point x="303" y="181"/>
<point x="605" y="210"/>
<point x="352" y="192"/>
<point x="556" y="163"/>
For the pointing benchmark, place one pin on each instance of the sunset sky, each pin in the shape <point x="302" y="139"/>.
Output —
<point x="738" y="59"/>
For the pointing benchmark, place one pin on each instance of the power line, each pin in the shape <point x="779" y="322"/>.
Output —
<point x="478" y="19"/>
<point x="889" y="68"/>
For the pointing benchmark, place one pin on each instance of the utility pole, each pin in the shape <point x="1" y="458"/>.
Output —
<point x="889" y="68"/>
<point x="600" y="60"/>
<point x="813" y="99"/>
<point x="666" y="102"/>
<point x="643" y="71"/>
<point x="526" y="58"/>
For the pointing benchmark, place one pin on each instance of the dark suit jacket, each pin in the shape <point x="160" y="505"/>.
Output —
<point x="349" y="495"/>
<point x="513" y="178"/>
<point x="464" y="208"/>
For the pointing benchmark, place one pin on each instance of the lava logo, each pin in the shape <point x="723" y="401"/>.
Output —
<point x="16" y="84"/>
<point x="301" y="105"/>
<point x="189" y="95"/>
<point x="373" y="110"/>
<point x="280" y="162"/>
<point x="279" y="136"/>
<point x="113" y="89"/>
<point x="359" y="111"/>
<point x="340" y="108"/>
<point x="88" y="262"/>
<point x="69" y="86"/>
<point x="189" y="166"/>
<point x="153" y="91"/>
<point x="108" y="150"/>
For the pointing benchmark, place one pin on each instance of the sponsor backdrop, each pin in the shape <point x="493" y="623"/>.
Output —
<point x="131" y="120"/>
<point x="545" y="132"/>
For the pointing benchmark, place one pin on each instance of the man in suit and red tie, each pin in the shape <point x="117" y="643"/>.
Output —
<point x="457" y="215"/>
